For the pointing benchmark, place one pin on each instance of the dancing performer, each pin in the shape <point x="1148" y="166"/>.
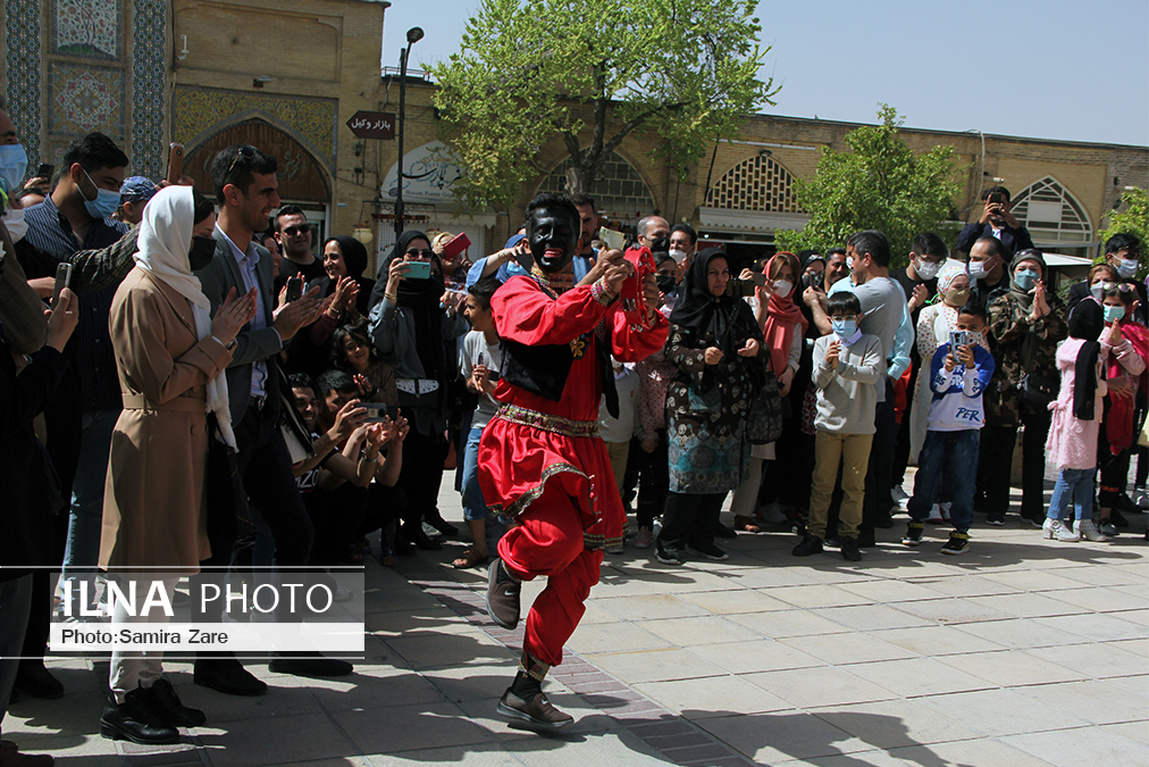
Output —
<point x="541" y="460"/>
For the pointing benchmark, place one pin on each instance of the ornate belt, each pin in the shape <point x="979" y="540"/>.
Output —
<point x="546" y="422"/>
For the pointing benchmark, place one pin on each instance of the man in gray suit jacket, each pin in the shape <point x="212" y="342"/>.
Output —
<point x="246" y="184"/>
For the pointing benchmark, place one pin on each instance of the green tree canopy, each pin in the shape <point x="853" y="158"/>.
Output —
<point x="879" y="184"/>
<point x="529" y="70"/>
<point x="1134" y="219"/>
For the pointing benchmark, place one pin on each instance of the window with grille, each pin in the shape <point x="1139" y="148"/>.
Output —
<point x="1052" y="215"/>
<point x="757" y="183"/>
<point x="619" y="191"/>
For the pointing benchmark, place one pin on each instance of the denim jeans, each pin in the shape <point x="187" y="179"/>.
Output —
<point x="953" y="454"/>
<point x="85" y="518"/>
<point x="1074" y="485"/>
<point x="474" y="507"/>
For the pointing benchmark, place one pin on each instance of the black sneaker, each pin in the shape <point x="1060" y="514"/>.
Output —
<point x="913" y="534"/>
<point x="997" y="520"/>
<point x="503" y="593"/>
<point x="850" y="550"/>
<point x="722" y="531"/>
<point x="709" y="551"/>
<point x="666" y="553"/>
<point x="811" y="544"/>
<point x="832" y="542"/>
<point x="957" y="544"/>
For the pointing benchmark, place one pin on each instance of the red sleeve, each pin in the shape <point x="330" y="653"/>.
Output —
<point x="524" y="313"/>
<point x="631" y="343"/>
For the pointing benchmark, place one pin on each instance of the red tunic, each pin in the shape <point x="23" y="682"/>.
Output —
<point x="534" y="440"/>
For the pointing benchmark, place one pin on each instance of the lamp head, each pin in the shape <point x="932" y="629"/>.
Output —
<point x="414" y="34"/>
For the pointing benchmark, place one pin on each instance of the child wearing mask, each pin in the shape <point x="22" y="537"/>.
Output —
<point x="847" y="364"/>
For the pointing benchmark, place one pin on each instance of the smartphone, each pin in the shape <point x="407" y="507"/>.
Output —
<point x="175" y="163"/>
<point x="45" y="170"/>
<point x="63" y="280"/>
<point x="378" y="412"/>
<point x="612" y="239"/>
<point x="523" y="256"/>
<point x="294" y="288"/>
<point x="420" y="270"/>
<point x="456" y="245"/>
<point x="744" y="288"/>
<point x="960" y="338"/>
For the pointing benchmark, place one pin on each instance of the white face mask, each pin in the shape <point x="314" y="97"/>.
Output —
<point x="678" y="255"/>
<point x="977" y="270"/>
<point x="15" y="224"/>
<point x="927" y="270"/>
<point x="783" y="288"/>
<point x="1127" y="267"/>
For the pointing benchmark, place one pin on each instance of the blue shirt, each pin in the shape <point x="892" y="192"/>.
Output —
<point x="247" y="267"/>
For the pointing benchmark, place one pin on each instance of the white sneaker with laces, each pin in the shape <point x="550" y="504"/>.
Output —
<point x="1087" y="531"/>
<point x="901" y="499"/>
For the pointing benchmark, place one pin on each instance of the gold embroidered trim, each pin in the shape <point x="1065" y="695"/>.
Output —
<point x="526" y="499"/>
<point x="546" y="422"/>
<point x="533" y="667"/>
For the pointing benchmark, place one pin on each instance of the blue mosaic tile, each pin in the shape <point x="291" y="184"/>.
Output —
<point x="149" y="66"/>
<point x="22" y="35"/>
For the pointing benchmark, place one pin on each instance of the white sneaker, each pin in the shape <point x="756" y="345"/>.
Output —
<point x="900" y="498"/>
<point x="945" y="509"/>
<point x="935" y="517"/>
<point x="1087" y="531"/>
<point x="1141" y="498"/>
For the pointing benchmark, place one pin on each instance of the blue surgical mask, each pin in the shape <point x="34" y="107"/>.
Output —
<point x="1113" y="313"/>
<point x="1127" y="267"/>
<point x="105" y="203"/>
<point x="1026" y="279"/>
<point x="13" y="164"/>
<point x="844" y="329"/>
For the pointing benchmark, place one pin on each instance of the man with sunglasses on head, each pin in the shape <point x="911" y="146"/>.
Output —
<point x="246" y="187"/>
<point x="1123" y="253"/>
<point x="293" y="233"/>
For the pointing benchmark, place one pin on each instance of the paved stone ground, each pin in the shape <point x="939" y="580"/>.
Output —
<point x="1021" y="652"/>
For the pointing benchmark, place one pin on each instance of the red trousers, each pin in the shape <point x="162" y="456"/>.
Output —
<point x="549" y="541"/>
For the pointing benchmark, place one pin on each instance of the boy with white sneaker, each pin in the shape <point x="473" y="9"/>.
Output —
<point x="958" y="376"/>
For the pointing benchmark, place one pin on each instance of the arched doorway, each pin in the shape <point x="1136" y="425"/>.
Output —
<point x="1055" y="219"/>
<point x="302" y="179"/>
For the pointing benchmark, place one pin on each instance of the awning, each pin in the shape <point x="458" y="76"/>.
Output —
<point x="1060" y="259"/>
<point x="736" y="221"/>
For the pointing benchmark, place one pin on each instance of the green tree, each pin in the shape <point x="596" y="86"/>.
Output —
<point x="529" y="70"/>
<point x="879" y="184"/>
<point x="1134" y="219"/>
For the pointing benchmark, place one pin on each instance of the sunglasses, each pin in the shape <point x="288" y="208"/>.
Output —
<point x="291" y="231"/>
<point x="417" y="253"/>
<point x="243" y="151"/>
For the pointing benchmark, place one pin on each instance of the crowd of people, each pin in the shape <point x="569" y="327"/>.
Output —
<point x="553" y="406"/>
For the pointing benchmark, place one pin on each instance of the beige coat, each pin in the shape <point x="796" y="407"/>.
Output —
<point x="154" y="511"/>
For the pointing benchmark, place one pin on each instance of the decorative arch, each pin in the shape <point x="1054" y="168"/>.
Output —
<point x="1053" y="216"/>
<point x="757" y="183"/>
<point x="301" y="175"/>
<point x="620" y="191"/>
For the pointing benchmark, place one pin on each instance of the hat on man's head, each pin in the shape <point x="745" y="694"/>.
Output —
<point x="137" y="189"/>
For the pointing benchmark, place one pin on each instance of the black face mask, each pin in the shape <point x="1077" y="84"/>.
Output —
<point x="200" y="255"/>
<point x="666" y="283"/>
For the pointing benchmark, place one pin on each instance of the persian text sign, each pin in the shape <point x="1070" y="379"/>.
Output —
<point x="379" y="125"/>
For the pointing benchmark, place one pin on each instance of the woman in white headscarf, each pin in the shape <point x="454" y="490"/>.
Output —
<point x="170" y="353"/>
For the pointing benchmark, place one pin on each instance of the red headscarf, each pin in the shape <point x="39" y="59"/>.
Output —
<point x="782" y="315"/>
<point x="1119" y="424"/>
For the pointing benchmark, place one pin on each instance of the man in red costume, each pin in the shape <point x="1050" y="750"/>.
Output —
<point x="541" y="460"/>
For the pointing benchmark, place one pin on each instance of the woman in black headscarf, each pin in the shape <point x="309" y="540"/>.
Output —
<point x="714" y="342"/>
<point x="411" y="326"/>
<point x="345" y="256"/>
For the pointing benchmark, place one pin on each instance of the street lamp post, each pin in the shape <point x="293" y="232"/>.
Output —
<point x="414" y="35"/>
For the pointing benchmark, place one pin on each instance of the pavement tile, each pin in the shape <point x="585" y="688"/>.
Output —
<point x="871" y="617"/>
<point x="711" y="696"/>
<point x="862" y="648"/>
<point x="484" y="755"/>
<point x="614" y="748"/>
<point x="888" y="591"/>
<point x="820" y="686"/>
<point x="1014" y="668"/>
<point x="1137" y="731"/>
<point x="1104" y="599"/>
<point x="952" y="610"/>
<point x="1137" y="684"/>
<point x="772" y="738"/>
<point x="1020" y="633"/>
<point x="1092" y="660"/>
<point x="999" y="712"/>
<point x="756" y="655"/>
<point x="912" y="677"/>
<point x="1031" y="605"/>
<point x="968" y="753"/>
<point x="855" y="759"/>
<point x="654" y="665"/>
<point x="610" y="637"/>
<point x="485" y="683"/>
<point x="246" y="741"/>
<point x="1095" y="627"/>
<point x="733" y="601"/>
<point x="966" y="585"/>
<point x="469" y="646"/>
<point x="650" y="606"/>
<point x="1136" y="646"/>
<point x="1034" y="580"/>
<point x="405" y="728"/>
<point x="895" y="723"/>
<point x="789" y="623"/>
<point x="1080" y="747"/>
<point x="1096" y="702"/>
<point x="1103" y="575"/>
<point x="937" y="640"/>
<point x="684" y="632"/>
<point x="818" y="596"/>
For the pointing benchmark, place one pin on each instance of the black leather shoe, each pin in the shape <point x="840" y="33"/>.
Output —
<point x="722" y="531"/>
<point x="34" y="679"/>
<point x="168" y="704"/>
<point x="226" y="675"/>
<point x="293" y="663"/>
<point x="850" y="551"/>
<point x="537" y="711"/>
<point x="866" y="537"/>
<point x="137" y="719"/>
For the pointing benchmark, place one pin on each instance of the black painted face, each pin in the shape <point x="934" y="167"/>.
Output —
<point x="553" y="237"/>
